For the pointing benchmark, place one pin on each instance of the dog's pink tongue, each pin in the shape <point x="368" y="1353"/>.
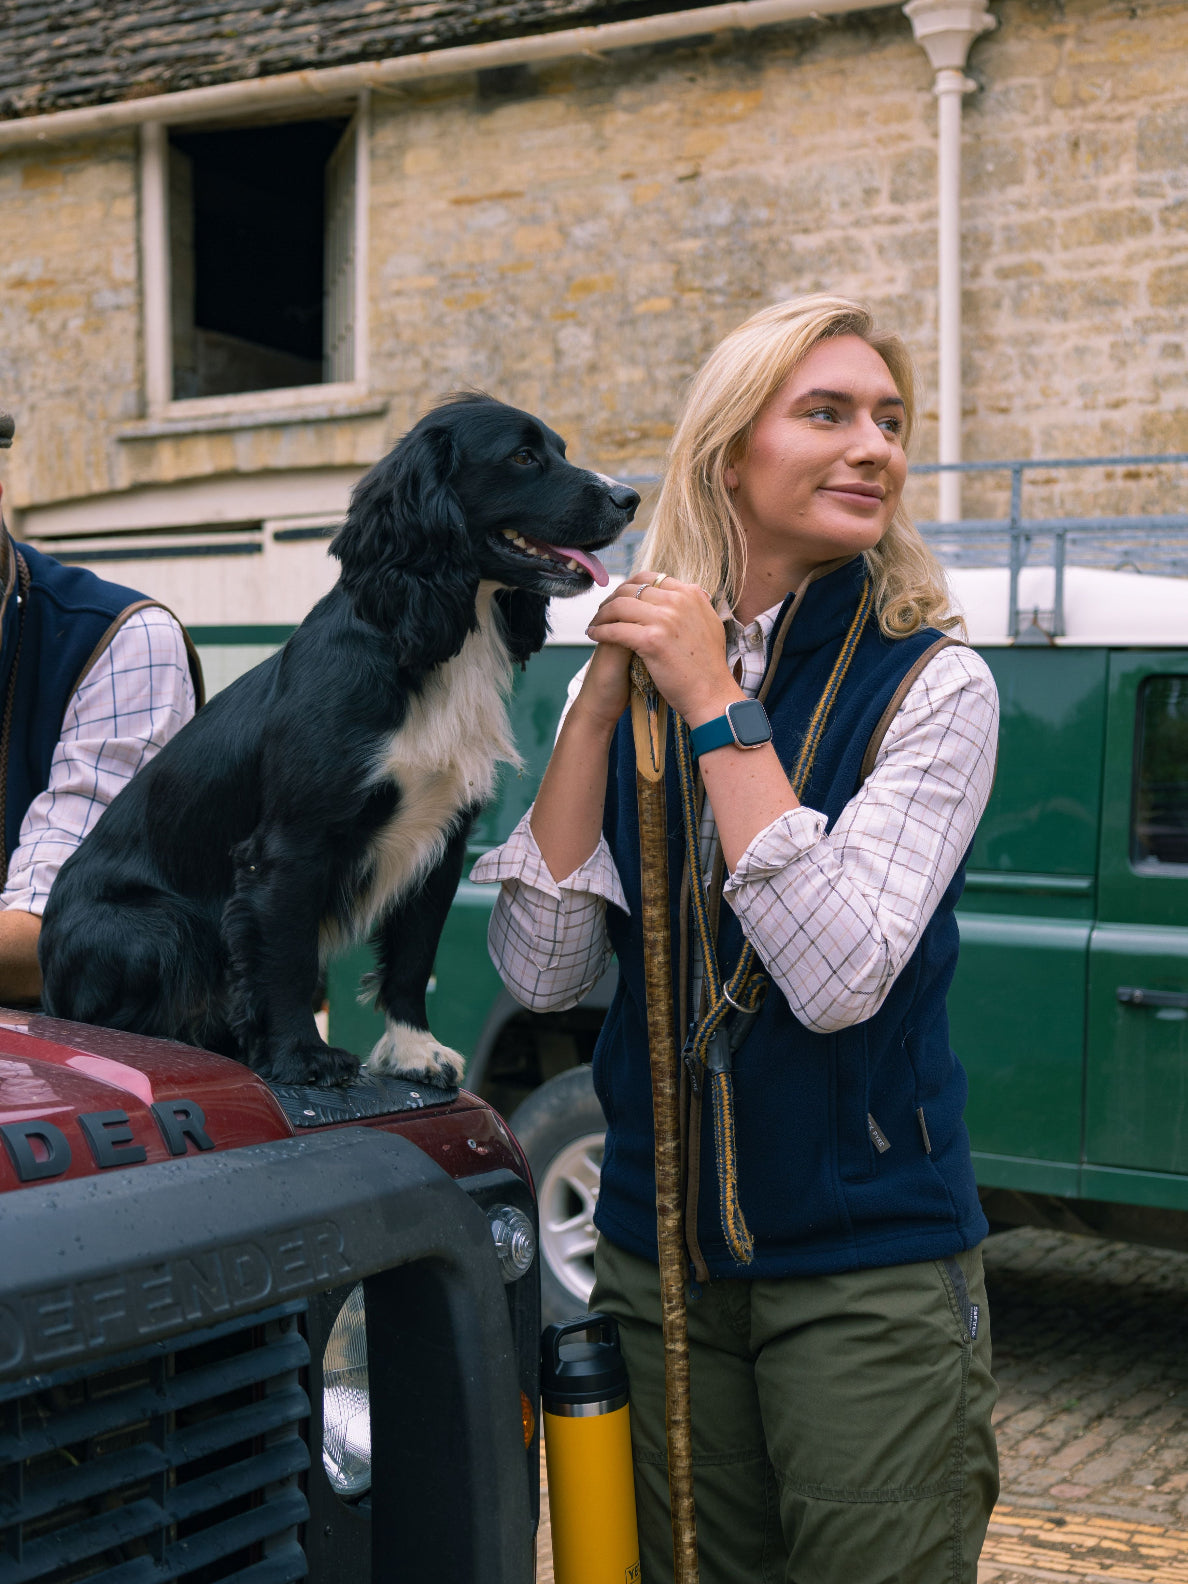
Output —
<point x="591" y="563"/>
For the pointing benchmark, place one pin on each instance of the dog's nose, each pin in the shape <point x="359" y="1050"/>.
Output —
<point x="625" y="497"/>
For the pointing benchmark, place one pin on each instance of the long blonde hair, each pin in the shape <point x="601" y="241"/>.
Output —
<point x="695" y="533"/>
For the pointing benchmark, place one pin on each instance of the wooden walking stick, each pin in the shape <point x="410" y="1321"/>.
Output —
<point x="649" y="714"/>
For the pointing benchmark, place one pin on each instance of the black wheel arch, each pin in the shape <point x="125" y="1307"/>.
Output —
<point x="506" y="1011"/>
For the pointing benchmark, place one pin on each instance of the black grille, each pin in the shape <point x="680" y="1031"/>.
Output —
<point x="178" y="1462"/>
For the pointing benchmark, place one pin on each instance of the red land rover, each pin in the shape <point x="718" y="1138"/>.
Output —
<point x="257" y="1334"/>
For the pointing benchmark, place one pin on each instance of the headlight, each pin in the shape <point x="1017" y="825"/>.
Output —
<point x="346" y="1403"/>
<point x="515" y="1241"/>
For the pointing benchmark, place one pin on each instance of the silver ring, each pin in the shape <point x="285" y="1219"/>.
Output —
<point x="639" y="593"/>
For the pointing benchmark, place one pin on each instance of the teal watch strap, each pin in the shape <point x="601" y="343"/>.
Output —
<point x="744" y="725"/>
<point x="713" y="734"/>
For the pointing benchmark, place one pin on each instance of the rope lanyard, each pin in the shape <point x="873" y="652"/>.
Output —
<point x="713" y="1040"/>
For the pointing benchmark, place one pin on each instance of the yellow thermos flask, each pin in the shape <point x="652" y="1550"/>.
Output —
<point x="587" y="1428"/>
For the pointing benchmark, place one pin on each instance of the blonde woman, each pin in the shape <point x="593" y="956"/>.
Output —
<point x="795" y="621"/>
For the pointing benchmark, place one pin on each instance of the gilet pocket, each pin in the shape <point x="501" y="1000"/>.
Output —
<point x="856" y="1152"/>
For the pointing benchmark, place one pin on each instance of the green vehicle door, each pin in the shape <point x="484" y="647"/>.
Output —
<point x="1017" y="1005"/>
<point x="1136" y="1130"/>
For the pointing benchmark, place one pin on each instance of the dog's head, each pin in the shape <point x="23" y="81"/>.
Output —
<point x="476" y="490"/>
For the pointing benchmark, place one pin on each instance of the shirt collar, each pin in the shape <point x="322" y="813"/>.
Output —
<point x="755" y="634"/>
<point x="829" y="593"/>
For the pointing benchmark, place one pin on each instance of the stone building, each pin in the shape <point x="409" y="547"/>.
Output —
<point x="242" y="248"/>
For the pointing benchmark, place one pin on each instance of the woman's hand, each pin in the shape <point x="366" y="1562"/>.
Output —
<point x="567" y="813"/>
<point x="606" y="689"/>
<point x="679" y="636"/>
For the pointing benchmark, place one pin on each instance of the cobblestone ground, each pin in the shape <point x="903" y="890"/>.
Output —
<point x="1091" y="1356"/>
<point x="544" y="1535"/>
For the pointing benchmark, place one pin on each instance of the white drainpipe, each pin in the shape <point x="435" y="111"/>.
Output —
<point x="946" y="29"/>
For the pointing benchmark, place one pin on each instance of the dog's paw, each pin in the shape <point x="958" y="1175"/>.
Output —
<point x="412" y="1053"/>
<point x="320" y="1066"/>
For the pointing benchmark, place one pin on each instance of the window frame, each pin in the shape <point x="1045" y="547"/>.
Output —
<point x="1151" y="865"/>
<point x="1147" y="901"/>
<point x="156" y="305"/>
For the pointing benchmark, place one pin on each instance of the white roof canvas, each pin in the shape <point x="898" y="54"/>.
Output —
<point x="1121" y="609"/>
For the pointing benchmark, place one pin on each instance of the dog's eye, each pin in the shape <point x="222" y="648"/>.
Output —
<point x="523" y="457"/>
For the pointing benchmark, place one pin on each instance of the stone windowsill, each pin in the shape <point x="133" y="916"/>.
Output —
<point x="257" y="410"/>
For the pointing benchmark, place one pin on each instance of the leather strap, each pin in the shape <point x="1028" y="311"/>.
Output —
<point x="897" y="698"/>
<point x="131" y="610"/>
<point x="9" y="702"/>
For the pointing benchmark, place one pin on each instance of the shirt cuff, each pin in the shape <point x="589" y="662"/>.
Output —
<point x="24" y="899"/>
<point x="519" y="859"/>
<point x="787" y="838"/>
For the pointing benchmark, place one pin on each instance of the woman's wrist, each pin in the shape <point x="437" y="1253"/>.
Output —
<point x="710" y="706"/>
<point x="598" y="728"/>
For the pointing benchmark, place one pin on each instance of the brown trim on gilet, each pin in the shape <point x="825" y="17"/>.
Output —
<point x="897" y="698"/>
<point x="131" y="610"/>
<point x="16" y="569"/>
<point x="8" y="570"/>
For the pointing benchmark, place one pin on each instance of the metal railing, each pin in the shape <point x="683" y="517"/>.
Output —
<point x="1160" y="537"/>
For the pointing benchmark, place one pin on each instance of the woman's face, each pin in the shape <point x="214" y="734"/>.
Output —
<point x="825" y="467"/>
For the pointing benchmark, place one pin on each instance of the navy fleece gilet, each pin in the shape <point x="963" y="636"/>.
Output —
<point x="817" y="1195"/>
<point x="63" y="622"/>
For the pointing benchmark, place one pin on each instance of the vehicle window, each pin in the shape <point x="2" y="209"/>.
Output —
<point x="1159" y="820"/>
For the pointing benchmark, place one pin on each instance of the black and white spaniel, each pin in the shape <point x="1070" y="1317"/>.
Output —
<point x="328" y="793"/>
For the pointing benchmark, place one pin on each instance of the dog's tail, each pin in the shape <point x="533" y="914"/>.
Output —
<point x="150" y="964"/>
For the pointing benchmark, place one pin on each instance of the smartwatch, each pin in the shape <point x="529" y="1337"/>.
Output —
<point x="744" y="725"/>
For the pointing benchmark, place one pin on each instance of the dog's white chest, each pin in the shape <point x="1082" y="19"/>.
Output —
<point x="443" y="759"/>
<point x="456" y="726"/>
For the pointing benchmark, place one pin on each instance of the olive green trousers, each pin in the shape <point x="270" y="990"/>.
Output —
<point x="841" y="1424"/>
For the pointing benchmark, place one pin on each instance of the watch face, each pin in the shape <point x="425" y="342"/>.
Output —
<point x="751" y="725"/>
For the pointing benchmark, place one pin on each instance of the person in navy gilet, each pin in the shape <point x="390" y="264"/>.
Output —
<point x="844" y="746"/>
<point x="94" y="678"/>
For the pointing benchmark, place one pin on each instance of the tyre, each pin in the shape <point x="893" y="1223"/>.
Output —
<point x="561" y="1130"/>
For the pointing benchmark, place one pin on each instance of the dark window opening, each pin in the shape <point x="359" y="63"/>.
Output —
<point x="1159" y="826"/>
<point x="261" y="254"/>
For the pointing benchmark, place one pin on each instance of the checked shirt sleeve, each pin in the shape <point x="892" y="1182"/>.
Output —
<point x="135" y="697"/>
<point x="548" y="939"/>
<point x="835" y="917"/>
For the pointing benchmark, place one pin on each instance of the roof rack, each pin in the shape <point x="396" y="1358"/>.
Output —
<point x="1155" y="542"/>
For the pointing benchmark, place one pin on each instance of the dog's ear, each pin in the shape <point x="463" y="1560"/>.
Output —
<point x="407" y="564"/>
<point x="525" y="617"/>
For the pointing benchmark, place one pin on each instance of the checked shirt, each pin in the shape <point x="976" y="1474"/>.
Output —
<point x="135" y="697"/>
<point x="833" y="916"/>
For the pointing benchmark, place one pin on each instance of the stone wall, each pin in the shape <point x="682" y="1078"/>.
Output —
<point x="576" y="238"/>
<point x="1076" y="242"/>
<point x="70" y="340"/>
<point x="581" y="239"/>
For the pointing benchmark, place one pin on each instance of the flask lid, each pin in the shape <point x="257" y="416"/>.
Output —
<point x="575" y="1369"/>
